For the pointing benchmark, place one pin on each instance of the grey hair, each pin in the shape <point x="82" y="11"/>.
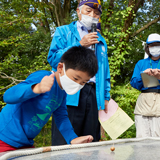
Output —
<point x="80" y="8"/>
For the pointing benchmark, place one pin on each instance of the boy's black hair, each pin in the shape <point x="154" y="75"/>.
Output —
<point x="81" y="59"/>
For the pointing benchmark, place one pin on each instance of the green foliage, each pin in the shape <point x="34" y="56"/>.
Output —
<point x="126" y="98"/>
<point x="119" y="22"/>
<point x="22" y="61"/>
<point x="23" y="49"/>
<point x="115" y="37"/>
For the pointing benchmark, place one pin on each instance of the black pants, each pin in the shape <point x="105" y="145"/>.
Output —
<point x="84" y="118"/>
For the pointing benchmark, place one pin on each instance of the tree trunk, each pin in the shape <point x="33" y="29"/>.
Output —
<point x="110" y="8"/>
<point x="129" y="21"/>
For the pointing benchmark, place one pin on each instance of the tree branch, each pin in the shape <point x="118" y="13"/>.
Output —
<point x="66" y="8"/>
<point x="110" y="8"/>
<point x="146" y="26"/>
<point x="45" y="19"/>
<point x="130" y="18"/>
<point x="5" y="76"/>
<point x="7" y="86"/>
<point x="58" y="21"/>
<point x="58" y="5"/>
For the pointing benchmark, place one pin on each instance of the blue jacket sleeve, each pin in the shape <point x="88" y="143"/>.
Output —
<point x="107" y="80"/>
<point x="59" y="47"/>
<point x="136" y="80"/>
<point x="23" y="91"/>
<point x="63" y="123"/>
<point x="108" y="84"/>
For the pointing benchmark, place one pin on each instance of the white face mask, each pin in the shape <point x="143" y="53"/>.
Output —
<point x="88" y="20"/>
<point x="155" y="51"/>
<point x="69" y="85"/>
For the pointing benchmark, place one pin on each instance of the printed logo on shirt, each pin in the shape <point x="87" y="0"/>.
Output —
<point x="38" y="121"/>
<point x="103" y="48"/>
<point x="103" y="55"/>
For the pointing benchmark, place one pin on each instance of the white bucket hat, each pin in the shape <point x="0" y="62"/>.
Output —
<point x="153" y="38"/>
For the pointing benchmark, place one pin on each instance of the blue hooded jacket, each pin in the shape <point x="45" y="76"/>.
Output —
<point x="68" y="36"/>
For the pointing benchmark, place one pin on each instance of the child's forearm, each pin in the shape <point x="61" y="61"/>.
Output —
<point x="36" y="88"/>
<point x="19" y="93"/>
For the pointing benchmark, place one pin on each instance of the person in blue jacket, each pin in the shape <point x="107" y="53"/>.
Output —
<point x="147" y="109"/>
<point x="84" y="105"/>
<point x="31" y="103"/>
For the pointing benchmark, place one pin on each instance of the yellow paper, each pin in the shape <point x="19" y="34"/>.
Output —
<point x="117" y="124"/>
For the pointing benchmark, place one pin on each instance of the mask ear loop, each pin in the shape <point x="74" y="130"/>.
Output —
<point x="64" y="69"/>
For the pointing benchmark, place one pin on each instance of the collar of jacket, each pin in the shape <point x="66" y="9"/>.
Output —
<point x="73" y="29"/>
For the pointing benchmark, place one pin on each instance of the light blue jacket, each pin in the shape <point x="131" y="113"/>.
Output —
<point x="66" y="37"/>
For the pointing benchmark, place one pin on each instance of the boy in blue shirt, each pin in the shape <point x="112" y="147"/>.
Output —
<point x="31" y="103"/>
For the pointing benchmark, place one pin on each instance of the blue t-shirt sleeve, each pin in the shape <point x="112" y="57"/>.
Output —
<point x="63" y="123"/>
<point x="136" y="80"/>
<point x="23" y="91"/>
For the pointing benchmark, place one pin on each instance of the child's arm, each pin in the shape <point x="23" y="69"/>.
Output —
<point x="63" y="124"/>
<point x="34" y="85"/>
<point x="82" y="139"/>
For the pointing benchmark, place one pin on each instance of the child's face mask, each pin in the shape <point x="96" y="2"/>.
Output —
<point x="69" y="85"/>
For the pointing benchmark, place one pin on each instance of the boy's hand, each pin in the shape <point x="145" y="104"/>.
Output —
<point x="45" y="85"/>
<point x="82" y="139"/>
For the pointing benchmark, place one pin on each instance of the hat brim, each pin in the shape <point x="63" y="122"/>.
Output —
<point x="93" y="5"/>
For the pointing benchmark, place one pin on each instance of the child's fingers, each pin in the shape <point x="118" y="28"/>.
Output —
<point x="52" y="75"/>
<point x="90" y="139"/>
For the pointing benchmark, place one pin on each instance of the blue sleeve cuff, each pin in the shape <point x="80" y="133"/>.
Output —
<point x="108" y="98"/>
<point x="73" y="137"/>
